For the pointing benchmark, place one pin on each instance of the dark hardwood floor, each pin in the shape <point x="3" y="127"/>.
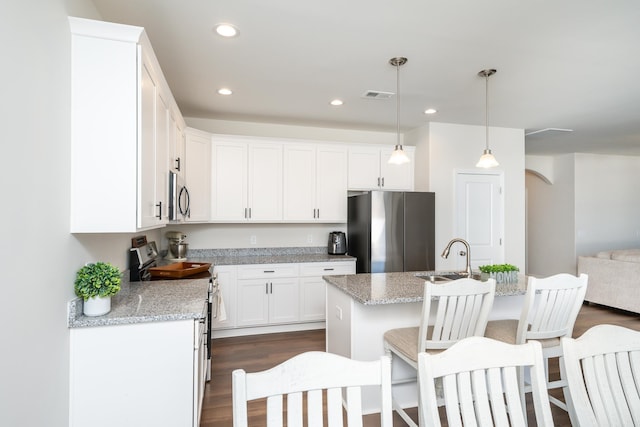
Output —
<point x="259" y="352"/>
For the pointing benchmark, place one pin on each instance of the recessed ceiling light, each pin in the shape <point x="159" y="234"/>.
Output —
<point x="226" y="30"/>
<point x="336" y="102"/>
<point x="225" y="91"/>
<point x="430" y="111"/>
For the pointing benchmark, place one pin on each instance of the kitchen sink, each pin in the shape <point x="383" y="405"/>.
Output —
<point x="436" y="277"/>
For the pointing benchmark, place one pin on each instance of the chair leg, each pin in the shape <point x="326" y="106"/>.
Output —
<point x="552" y="385"/>
<point x="394" y="403"/>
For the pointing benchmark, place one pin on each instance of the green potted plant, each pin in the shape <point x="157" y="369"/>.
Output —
<point x="502" y="273"/>
<point x="95" y="284"/>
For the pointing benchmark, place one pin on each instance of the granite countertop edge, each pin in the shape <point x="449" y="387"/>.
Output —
<point x="265" y="256"/>
<point x="406" y="287"/>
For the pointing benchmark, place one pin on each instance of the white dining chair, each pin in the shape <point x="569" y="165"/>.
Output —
<point x="480" y="385"/>
<point x="550" y="309"/>
<point x="602" y="369"/>
<point x="461" y="310"/>
<point x="313" y="374"/>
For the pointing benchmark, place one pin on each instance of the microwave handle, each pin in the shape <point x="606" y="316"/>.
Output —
<point x="187" y="209"/>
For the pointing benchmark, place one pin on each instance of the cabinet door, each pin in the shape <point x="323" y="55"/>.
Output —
<point x="177" y="145"/>
<point x="283" y="300"/>
<point x="159" y="368"/>
<point x="229" y="181"/>
<point x="197" y="172"/>
<point x="312" y="299"/>
<point x="397" y="177"/>
<point x="253" y="302"/>
<point x="300" y="183"/>
<point x="227" y="276"/>
<point x="265" y="182"/>
<point x="147" y="175"/>
<point x="162" y="159"/>
<point x="364" y="168"/>
<point x="331" y="184"/>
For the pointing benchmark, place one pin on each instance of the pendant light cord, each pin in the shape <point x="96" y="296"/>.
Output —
<point x="398" y="104"/>
<point x="486" y="111"/>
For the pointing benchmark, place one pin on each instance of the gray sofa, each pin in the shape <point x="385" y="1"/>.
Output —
<point x="614" y="278"/>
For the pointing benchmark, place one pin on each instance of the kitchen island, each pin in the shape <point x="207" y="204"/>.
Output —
<point x="144" y="362"/>
<point x="362" y="307"/>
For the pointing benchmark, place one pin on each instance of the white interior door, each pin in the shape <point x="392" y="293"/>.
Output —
<point x="479" y="216"/>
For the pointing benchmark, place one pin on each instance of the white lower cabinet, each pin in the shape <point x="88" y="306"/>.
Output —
<point x="137" y="374"/>
<point x="267" y="294"/>
<point x="313" y="287"/>
<point x="258" y="295"/>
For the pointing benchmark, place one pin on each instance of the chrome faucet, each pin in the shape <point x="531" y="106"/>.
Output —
<point x="445" y="253"/>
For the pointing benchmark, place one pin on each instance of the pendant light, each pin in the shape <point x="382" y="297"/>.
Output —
<point x="487" y="160"/>
<point x="398" y="157"/>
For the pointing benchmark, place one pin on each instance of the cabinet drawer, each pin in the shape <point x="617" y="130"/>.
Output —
<point x="261" y="271"/>
<point x="327" y="268"/>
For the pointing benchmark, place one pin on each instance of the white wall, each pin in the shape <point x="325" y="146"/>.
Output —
<point x="590" y="206"/>
<point x="453" y="147"/>
<point x="41" y="257"/>
<point x="551" y="220"/>
<point x="607" y="203"/>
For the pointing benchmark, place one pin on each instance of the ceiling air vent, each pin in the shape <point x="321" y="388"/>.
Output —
<point x="376" y="94"/>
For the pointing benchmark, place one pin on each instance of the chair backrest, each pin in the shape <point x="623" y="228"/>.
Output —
<point x="602" y="369"/>
<point x="462" y="310"/>
<point x="312" y="373"/>
<point x="480" y="384"/>
<point x="551" y="307"/>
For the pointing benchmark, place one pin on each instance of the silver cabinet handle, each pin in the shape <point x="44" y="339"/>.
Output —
<point x="378" y="181"/>
<point x="328" y="269"/>
<point x="177" y="163"/>
<point x="383" y="181"/>
<point x="271" y="287"/>
<point x="249" y="212"/>
<point x="268" y="271"/>
<point x="245" y="213"/>
<point x="159" y="206"/>
<point x="318" y="213"/>
<point x="266" y="287"/>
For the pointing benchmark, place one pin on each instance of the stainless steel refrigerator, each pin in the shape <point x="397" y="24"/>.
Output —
<point x="392" y="231"/>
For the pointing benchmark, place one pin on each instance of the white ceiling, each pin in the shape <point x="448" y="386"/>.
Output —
<point x="561" y="64"/>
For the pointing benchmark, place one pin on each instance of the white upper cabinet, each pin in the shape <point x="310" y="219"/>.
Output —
<point x="121" y="107"/>
<point x="195" y="164"/>
<point x="315" y="183"/>
<point x="246" y="180"/>
<point x="369" y="169"/>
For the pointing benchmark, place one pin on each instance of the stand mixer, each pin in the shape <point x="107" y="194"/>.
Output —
<point x="177" y="246"/>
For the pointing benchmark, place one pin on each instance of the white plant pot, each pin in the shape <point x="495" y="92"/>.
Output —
<point x="96" y="306"/>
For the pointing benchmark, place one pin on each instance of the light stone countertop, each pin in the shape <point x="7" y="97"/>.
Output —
<point x="167" y="300"/>
<point x="155" y="301"/>
<point x="264" y="256"/>
<point x="398" y="288"/>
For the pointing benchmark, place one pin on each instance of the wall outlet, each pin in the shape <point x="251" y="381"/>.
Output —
<point x="253" y="240"/>
<point x="309" y="238"/>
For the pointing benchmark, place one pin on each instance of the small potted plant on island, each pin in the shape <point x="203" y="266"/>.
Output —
<point x="502" y="273"/>
<point x="95" y="284"/>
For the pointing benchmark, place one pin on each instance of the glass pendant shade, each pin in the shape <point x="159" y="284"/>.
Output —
<point x="398" y="157"/>
<point x="487" y="160"/>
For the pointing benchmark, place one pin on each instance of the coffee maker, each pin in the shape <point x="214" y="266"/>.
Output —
<point x="177" y="246"/>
